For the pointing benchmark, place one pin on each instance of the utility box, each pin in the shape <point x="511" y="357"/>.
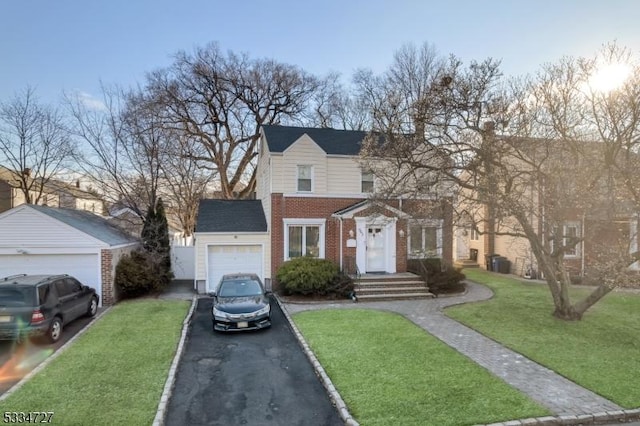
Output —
<point x="501" y="264"/>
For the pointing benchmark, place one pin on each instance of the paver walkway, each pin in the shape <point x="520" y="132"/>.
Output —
<point x="559" y="395"/>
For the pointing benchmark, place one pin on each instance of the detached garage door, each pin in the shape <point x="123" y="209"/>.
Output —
<point x="231" y="259"/>
<point x="84" y="267"/>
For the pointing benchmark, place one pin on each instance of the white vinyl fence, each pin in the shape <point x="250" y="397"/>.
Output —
<point x="183" y="262"/>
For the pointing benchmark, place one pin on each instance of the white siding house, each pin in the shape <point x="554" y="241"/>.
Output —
<point x="45" y="240"/>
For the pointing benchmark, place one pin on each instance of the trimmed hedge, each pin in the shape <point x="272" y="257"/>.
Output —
<point x="310" y="276"/>
<point x="441" y="280"/>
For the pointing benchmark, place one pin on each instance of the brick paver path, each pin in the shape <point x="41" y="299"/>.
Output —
<point x="559" y="395"/>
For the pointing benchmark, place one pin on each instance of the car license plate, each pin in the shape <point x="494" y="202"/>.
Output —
<point x="5" y="318"/>
<point x="243" y="324"/>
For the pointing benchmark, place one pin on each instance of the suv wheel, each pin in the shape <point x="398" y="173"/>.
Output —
<point x="93" y="307"/>
<point x="55" y="330"/>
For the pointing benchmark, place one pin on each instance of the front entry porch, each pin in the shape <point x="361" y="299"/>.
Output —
<point x="371" y="287"/>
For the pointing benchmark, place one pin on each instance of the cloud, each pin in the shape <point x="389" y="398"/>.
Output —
<point x="89" y="101"/>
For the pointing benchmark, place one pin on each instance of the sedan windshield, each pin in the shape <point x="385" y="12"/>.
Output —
<point x="240" y="288"/>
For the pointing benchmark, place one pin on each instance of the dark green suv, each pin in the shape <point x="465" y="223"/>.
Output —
<point x="39" y="306"/>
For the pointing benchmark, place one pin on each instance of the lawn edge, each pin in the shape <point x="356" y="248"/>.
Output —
<point x="53" y="356"/>
<point x="623" y="415"/>
<point x="161" y="412"/>
<point x="333" y="393"/>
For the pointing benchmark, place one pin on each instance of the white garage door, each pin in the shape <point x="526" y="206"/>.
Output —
<point x="231" y="259"/>
<point x="84" y="267"/>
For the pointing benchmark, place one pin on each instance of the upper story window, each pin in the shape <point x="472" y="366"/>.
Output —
<point x="569" y="236"/>
<point x="305" y="178"/>
<point x="367" y="181"/>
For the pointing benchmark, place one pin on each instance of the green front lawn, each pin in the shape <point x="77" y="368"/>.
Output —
<point x="391" y="372"/>
<point x="600" y="352"/>
<point x="114" y="373"/>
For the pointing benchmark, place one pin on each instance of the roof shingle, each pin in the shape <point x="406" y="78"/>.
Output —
<point x="332" y="141"/>
<point x="89" y="223"/>
<point x="231" y="216"/>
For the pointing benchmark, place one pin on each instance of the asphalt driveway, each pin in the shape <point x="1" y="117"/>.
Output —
<point x="252" y="378"/>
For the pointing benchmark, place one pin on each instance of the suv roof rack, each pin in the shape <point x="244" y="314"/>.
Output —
<point x="10" y="277"/>
<point x="53" y="277"/>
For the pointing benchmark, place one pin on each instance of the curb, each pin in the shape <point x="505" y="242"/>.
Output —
<point x="171" y="378"/>
<point x="583" y="419"/>
<point x="55" y="355"/>
<point x="335" y="397"/>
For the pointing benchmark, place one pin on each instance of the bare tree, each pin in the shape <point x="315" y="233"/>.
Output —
<point x="524" y="157"/>
<point x="185" y="181"/>
<point x="222" y="100"/>
<point x="34" y="144"/>
<point x="332" y="105"/>
<point x="123" y="145"/>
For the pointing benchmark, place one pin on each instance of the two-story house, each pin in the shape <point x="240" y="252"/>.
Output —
<point x="567" y="199"/>
<point x="314" y="199"/>
<point x="52" y="193"/>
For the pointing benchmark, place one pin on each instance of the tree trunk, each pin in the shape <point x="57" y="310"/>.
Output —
<point x="567" y="312"/>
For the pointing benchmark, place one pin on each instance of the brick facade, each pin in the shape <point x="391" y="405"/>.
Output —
<point x="109" y="259"/>
<point x="323" y="208"/>
<point x="106" y="272"/>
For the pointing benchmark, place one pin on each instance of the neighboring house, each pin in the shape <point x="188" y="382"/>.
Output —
<point x="54" y="194"/>
<point x="129" y="221"/>
<point x="47" y="240"/>
<point x="474" y="240"/>
<point x="313" y="199"/>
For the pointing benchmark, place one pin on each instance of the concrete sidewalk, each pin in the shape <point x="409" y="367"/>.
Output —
<point x="560" y="395"/>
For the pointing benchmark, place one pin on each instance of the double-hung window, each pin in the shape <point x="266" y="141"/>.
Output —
<point x="568" y="235"/>
<point x="367" y="182"/>
<point x="304" y="238"/>
<point x="425" y="239"/>
<point x="305" y="178"/>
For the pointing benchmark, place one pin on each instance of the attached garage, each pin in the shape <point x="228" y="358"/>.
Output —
<point x="227" y="259"/>
<point x="231" y="237"/>
<point x="45" y="240"/>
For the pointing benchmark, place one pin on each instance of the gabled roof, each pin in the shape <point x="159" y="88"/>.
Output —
<point x="332" y="141"/>
<point x="231" y="216"/>
<point x="87" y="222"/>
<point x="350" y="211"/>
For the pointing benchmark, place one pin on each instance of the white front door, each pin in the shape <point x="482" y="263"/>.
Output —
<point x="375" y="249"/>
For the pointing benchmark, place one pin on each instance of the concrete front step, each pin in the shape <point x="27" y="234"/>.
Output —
<point x="387" y="290"/>
<point x="465" y="263"/>
<point x="400" y="276"/>
<point x="394" y="296"/>
<point x="390" y="284"/>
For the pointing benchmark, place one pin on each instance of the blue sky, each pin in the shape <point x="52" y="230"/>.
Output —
<point x="72" y="45"/>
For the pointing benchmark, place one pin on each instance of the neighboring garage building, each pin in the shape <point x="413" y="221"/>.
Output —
<point x="231" y="236"/>
<point x="45" y="240"/>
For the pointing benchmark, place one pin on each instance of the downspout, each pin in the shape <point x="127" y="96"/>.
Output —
<point x="583" y="247"/>
<point x="340" y="218"/>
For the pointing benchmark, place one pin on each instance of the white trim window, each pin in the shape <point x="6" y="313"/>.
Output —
<point x="367" y="182"/>
<point x="570" y="232"/>
<point x="475" y="234"/>
<point x="425" y="239"/>
<point x="305" y="178"/>
<point x="304" y="237"/>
